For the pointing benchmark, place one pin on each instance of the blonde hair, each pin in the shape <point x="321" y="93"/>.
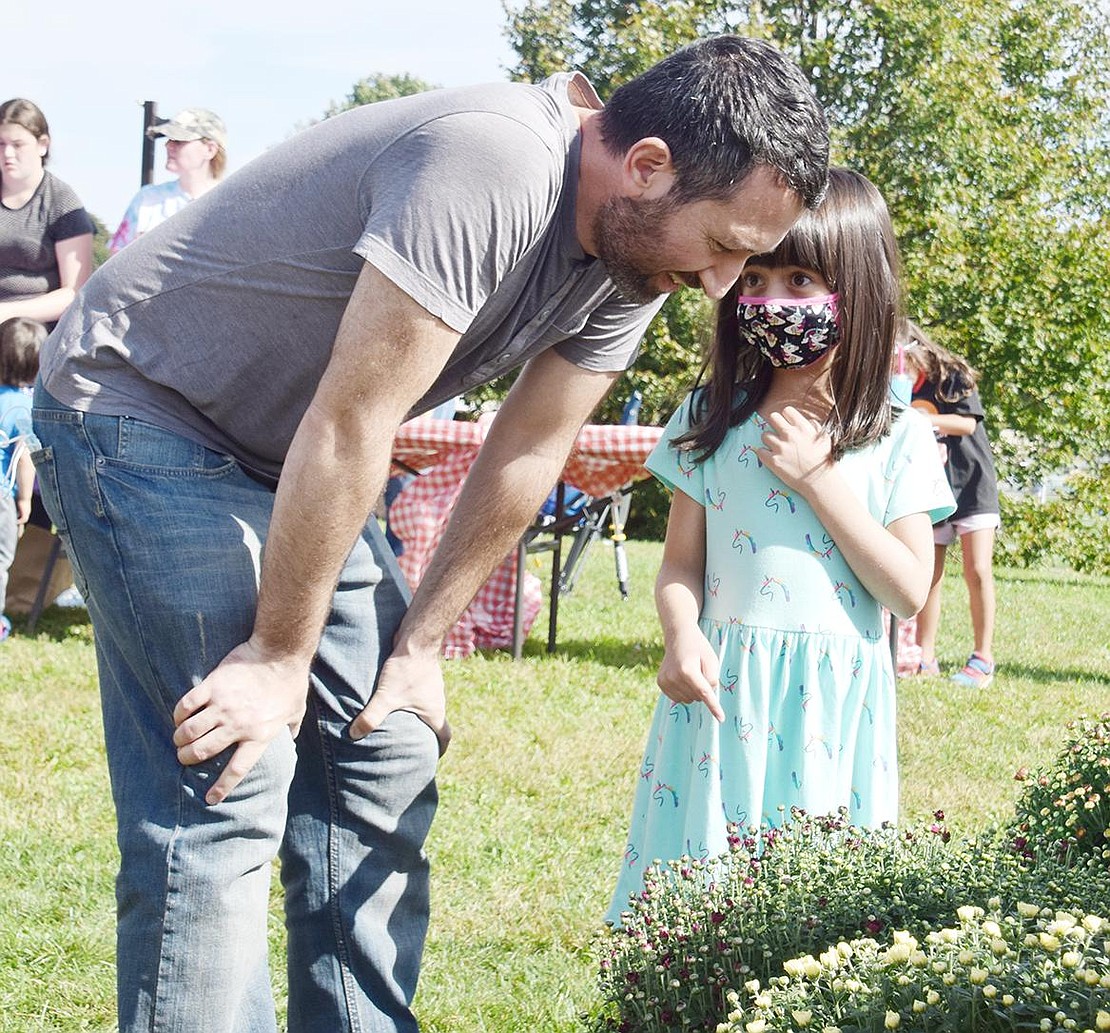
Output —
<point x="218" y="165"/>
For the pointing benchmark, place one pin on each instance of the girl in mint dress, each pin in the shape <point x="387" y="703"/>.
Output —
<point x="803" y="504"/>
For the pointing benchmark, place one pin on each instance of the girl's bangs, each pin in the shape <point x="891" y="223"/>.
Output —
<point x="800" y="247"/>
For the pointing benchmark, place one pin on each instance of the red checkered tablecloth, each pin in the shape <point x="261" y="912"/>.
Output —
<point x="604" y="458"/>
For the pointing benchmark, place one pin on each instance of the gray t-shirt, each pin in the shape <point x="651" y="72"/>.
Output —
<point x="28" y="235"/>
<point x="218" y="323"/>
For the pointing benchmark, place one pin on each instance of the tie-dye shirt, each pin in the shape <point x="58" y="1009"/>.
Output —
<point x="152" y="205"/>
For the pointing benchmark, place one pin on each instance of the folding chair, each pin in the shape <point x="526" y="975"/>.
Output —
<point x="587" y="517"/>
<point x="57" y="551"/>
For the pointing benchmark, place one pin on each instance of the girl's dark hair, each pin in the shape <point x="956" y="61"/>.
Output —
<point x="26" y="113"/>
<point x="724" y="105"/>
<point x="20" y="342"/>
<point x="953" y="378"/>
<point x="850" y="241"/>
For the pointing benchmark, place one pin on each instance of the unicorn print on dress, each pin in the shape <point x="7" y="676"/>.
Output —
<point x="661" y="791"/>
<point x="770" y="584"/>
<point x="819" y="741"/>
<point x="681" y="708"/>
<point x="826" y="549"/>
<point x="843" y="592"/>
<point x="740" y="536"/>
<point x="777" y="494"/>
<point x="747" y="454"/>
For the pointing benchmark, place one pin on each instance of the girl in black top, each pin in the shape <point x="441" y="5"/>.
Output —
<point x="944" y="389"/>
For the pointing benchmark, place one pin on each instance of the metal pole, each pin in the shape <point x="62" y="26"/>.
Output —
<point x="150" y="117"/>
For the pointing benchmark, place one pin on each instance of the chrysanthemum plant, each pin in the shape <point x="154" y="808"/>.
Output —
<point x="700" y="932"/>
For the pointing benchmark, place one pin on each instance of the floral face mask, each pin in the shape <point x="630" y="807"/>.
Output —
<point x="790" y="332"/>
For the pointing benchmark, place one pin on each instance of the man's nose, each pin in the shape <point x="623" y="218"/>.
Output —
<point x="719" y="277"/>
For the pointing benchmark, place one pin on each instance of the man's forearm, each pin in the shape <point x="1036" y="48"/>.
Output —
<point x="328" y="487"/>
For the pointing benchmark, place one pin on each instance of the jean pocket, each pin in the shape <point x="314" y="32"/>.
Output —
<point x="46" y="474"/>
<point x="131" y="444"/>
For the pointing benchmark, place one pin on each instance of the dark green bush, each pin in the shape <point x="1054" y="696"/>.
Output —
<point x="701" y="930"/>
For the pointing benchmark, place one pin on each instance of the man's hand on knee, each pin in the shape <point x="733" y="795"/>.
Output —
<point x="249" y="699"/>
<point x="412" y="682"/>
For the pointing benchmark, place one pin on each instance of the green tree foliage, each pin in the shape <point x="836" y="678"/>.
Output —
<point x="986" y="124"/>
<point x="379" y="86"/>
<point x="101" y="236"/>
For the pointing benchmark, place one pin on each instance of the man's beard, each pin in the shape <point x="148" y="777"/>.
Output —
<point x="627" y="233"/>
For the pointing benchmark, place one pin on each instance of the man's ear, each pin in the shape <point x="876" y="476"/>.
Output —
<point x="648" y="171"/>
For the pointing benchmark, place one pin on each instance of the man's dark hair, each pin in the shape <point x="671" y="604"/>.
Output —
<point x="725" y="105"/>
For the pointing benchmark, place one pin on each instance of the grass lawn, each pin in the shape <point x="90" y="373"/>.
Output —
<point x="534" y="792"/>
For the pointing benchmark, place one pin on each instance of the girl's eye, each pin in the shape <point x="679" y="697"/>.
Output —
<point x="801" y="279"/>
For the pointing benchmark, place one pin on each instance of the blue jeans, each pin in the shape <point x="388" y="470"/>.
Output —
<point x="165" y="538"/>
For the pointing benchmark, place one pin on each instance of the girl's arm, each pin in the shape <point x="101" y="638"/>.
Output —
<point x="953" y="424"/>
<point x="689" y="671"/>
<point x="24" y="483"/>
<point x="74" y="257"/>
<point x="894" y="563"/>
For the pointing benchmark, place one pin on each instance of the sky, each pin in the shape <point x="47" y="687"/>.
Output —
<point x="266" y="68"/>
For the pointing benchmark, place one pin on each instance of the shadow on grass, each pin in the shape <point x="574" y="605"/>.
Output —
<point x="608" y="651"/>
<point x="56" y="623"/>
<point x="1051" y="675"/>
<point x="1052" y="576"/>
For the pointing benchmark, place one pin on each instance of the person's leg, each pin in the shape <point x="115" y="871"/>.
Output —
<point x="164" y="537"/>
<point x="9" y="536"/>
<point x="928" y="619"/>
<point x="353" y="862"/>
<point x="978" y="558"/>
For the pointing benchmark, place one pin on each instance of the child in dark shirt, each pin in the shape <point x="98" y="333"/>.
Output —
<point x="945" y="390"/>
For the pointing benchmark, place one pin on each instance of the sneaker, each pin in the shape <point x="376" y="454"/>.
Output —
<point x="919" y="670"/>
<point x="977" y="673"/>
<point x="70" y="598"/>
<point x="5" y="627"/>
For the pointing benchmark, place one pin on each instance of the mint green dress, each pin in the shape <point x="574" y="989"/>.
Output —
<point x="806" y="681"/>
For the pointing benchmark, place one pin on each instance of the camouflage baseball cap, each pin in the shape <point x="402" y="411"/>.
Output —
<point x="191" y="124"/>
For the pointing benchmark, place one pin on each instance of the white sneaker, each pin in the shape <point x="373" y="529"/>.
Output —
<point x="70" y="598"/>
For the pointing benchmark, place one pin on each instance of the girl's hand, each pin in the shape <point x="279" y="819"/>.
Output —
<point x="689" y="672"/>
<point x="796" y="449"/>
